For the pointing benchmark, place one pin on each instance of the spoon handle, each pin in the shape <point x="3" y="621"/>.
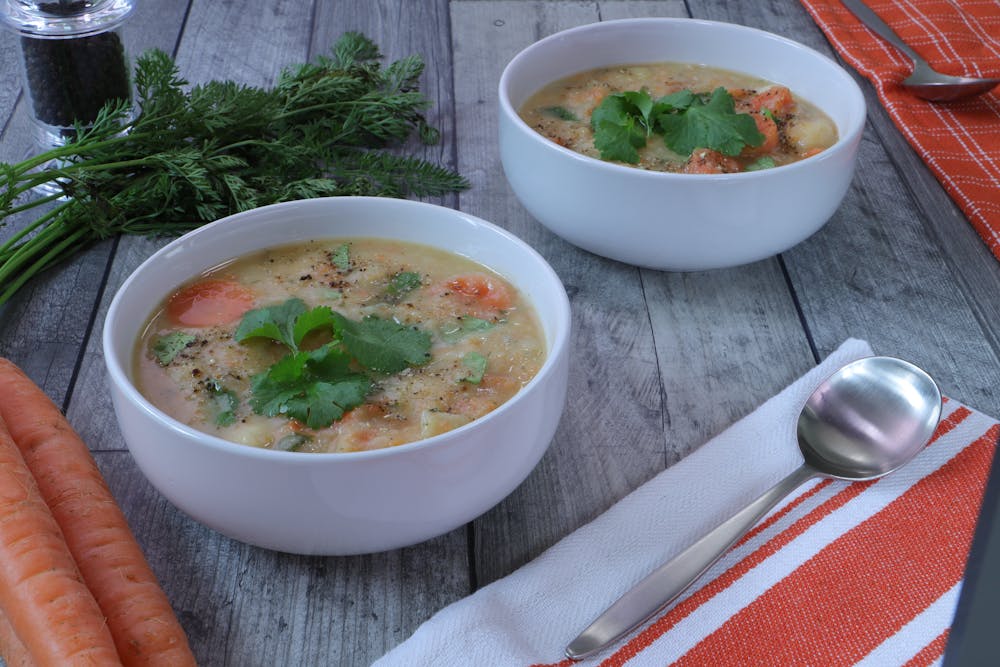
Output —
<point x="871" y="19"/>
<point x="668" y="581"/>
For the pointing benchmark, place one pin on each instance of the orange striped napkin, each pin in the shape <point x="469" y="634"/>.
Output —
<point x="959" y="141"/>
<point x="839" y="574"/>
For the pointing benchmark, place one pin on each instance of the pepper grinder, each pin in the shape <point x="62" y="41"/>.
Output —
<point x="74" y="61"/>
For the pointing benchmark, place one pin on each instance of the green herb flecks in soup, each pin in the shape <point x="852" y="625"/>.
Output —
<point x="339" y="345"/>
<point x="678" y="117"/>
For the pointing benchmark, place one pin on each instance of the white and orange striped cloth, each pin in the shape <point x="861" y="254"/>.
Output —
<point x="959" y="141"/>
<point x="840" y="574"/>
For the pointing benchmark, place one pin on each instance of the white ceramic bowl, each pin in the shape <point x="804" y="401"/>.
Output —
<point x="348" y="503"/>
<point x="678" y="221"/>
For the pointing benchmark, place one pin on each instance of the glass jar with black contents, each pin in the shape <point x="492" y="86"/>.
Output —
<point x="74" y="60"/>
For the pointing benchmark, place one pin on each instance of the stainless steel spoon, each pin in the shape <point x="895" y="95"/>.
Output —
<point x="863" y="422"/>
<point x="925" y="81"/>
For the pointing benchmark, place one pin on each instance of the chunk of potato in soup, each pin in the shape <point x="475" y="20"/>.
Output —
<point x="793" y="129"/>
<point x="484" y="343"/>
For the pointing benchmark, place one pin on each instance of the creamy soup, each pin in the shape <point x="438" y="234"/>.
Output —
<point x="570" y="111"/>
<point x="339" y="345"/>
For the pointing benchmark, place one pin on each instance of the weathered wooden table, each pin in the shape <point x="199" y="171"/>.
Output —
<point x="661" y="361"/>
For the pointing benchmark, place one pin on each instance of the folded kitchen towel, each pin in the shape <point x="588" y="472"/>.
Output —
<point x="959" y="141"/>
<point x="838" y="574"/>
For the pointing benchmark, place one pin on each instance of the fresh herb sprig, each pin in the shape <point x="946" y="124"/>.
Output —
<point x="316" y="387"/>
<point x="193" y="155"/>
<point x="624" y="122"/>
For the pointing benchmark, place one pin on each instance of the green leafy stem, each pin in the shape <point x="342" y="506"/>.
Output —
<point x="192" y="155"/>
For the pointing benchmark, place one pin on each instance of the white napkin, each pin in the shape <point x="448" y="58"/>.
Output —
<point x="532" y="614"/>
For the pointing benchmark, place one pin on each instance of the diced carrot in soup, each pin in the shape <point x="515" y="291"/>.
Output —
<point x="481" y="289"/>
<point x="776" y="99"/>
<point x="586" y="99"/>
<point x="210" y="302"/>
<point x="767" y="126"/>
<point x="706" y="161"/>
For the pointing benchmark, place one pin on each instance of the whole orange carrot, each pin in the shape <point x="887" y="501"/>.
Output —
<point x="12" y="649"/>
<point x="41" y="590"/>
<point x="140" y="617"/>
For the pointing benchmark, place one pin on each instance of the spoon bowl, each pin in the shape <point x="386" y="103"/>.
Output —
<point x="866" y="420"/>
<point x="925" y="82"/>
<point x="932" y="85"/>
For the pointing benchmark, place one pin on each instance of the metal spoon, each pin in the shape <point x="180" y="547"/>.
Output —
<point x="925" y="81"/>
<point x="863" y="422"/>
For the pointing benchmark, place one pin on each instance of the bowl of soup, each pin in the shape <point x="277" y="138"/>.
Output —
<point x="339" y="376"/>
<point x="678" y="144"/>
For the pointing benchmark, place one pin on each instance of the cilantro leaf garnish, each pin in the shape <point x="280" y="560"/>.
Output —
<point x="291" y="442"/>
<point x="274" y="322"/>
<point x="678" y="101"/>
<point x="562" y="113"/>
<point x="340" y="256"/>
<point x="713" y="124"/>
<point x="623" y="122"/>
<point x="400" y="285"/>
<point x="476" y="363"/>
<point x="316" y="404"/>
<point x="320" y="316"/>
<point x="286" y="323"/>
<point x="621" y="125"/>
<point x="166" y="347"/>
<point x="764" y="162"/>
<point x="383" y="345"/>
<point x="466" y="325"/>
<point x="315" y="387"/>
<point x="223" y="403"/>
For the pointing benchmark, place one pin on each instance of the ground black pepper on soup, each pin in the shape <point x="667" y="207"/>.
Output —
<point x="679" y="117"/>
<point x="339" y="345"/>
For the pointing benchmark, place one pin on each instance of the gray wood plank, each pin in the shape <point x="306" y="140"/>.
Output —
<point x="10" y="75"/>
<point x="249" y="42"/>
<point x="726" y="341"/>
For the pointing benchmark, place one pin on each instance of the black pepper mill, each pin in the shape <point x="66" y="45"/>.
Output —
<point x="74" y="60"/>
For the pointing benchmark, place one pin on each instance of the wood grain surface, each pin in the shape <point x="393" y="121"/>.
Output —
<point x="661" y="361"/>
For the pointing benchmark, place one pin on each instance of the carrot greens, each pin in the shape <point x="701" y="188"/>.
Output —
<point x="194" y="154"/>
